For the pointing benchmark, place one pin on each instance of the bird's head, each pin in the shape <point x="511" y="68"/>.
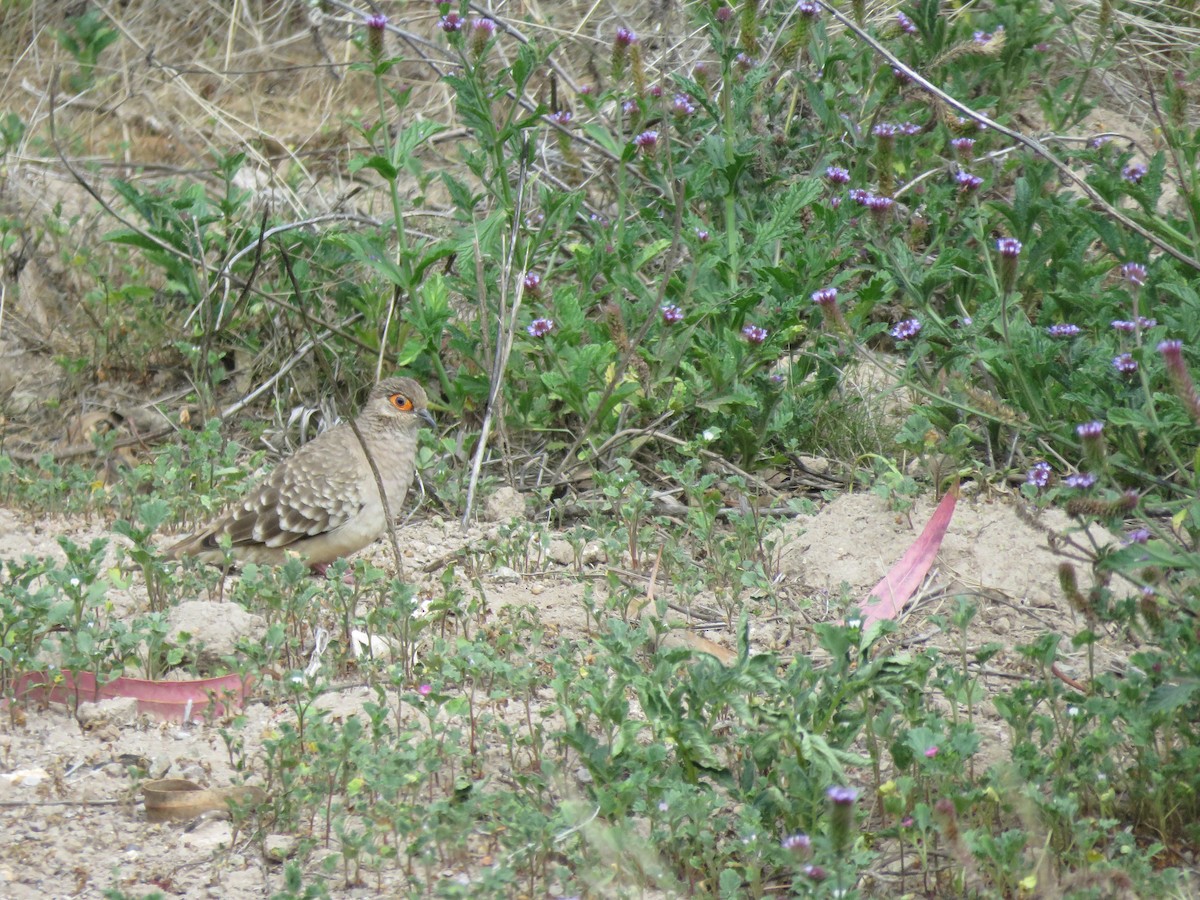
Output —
<point x="399" y="399"/>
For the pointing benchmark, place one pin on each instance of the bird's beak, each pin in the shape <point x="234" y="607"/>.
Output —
<point x="428" y="417"/>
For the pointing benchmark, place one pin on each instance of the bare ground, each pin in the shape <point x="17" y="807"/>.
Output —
<point x="82" y="827"/>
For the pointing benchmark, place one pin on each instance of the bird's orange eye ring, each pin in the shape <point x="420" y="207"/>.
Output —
<point x="401" y="402"/>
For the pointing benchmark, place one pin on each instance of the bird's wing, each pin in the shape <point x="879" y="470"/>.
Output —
<point x="312" y="493"/>
<point x="289" y="508"/>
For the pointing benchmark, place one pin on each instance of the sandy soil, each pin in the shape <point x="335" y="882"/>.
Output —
<point x="82" y="827"/>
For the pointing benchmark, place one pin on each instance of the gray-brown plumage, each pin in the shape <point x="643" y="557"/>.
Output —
<point x="323" y="503"/>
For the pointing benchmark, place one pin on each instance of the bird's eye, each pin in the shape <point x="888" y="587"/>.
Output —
<point x="401" y="402"/>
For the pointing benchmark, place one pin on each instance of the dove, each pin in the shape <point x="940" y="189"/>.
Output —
<point x="322" y="503"/>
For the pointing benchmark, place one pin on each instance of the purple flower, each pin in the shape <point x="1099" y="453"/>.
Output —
<point x="900" y="75"/>
<point x="533" y="283"/>
<point x="1134" y="173"/>
<point x="1124" y="325"/>
<point x="963" y="146"/>
<point x="629" y="107"/>
<point x="1063" y="330"/>
<point x="1134" y="273"/>
<point x="376" y="26"/>
<point x="450" y="22"/>
<point x="967" y="182"/>
<point x="671" y="314"/>
<point x="561" y="117"/>
<point x="1138" y="536"/>
<point x="539" y="328"/>
<point x="906" y="24"/>
<point x="1080" y="480"/>
<point x="1125" y="364"/>
<point x="825" y="296"/>
<point x="842" y="796"/>
<point x="906" y="330"/>
<point x="647" y="142"/>
<point x="682" y="105"/>
<point x="835" y="202"/>
<point x="814" y="873"/>
<point x="837" y="175"/>
<point x="656" y="90"/>
<point x="754" y="334"/>
<point x="482" y="31"/>
<point x="1181" y="377"/>
<point x="885" y="131"/>
<point x="701" y="235"/>
<point x="625" y="38"/>
<point x="1099" y="141"/>
<point x="800" y="844"/>
<point x="1094" y="451"/>
<point x="910" y="128"/>
<point x="743" y="62"/>
<point x="425" y="690"/>
<point x="808" y="8"/>
<point x="1039" y="474"/>
<point x="931" y="752"/>
<point x="859" y="196"/>
<point x="1008" y="247"/>
<point x="826" y="299"/>
<point x="724" y="14"/>
<point x="841" y="815"/>
<point x="879" y="207"/>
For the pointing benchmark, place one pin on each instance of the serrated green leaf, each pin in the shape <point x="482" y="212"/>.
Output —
<point x="1169" y="697"/>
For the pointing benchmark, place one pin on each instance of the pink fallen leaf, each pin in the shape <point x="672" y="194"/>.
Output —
<point x="165" y="700"/>
<point x="901" y="583"/>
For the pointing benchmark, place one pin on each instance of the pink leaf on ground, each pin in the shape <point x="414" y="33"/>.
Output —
<point x="899" y="585"/>
<point x="166" y="700"/>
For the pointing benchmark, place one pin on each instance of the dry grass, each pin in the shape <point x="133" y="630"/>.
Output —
<point x="185" y="83"/>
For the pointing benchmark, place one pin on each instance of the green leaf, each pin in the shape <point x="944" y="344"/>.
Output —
<point x="1169" y="697"/>
<point x="378" y="163"/>
<point x="604" y="137"/>
<point x="730" y="884"/>
<point x="1118" y="415"/>
<point x="410" y="139"/>
<point x="650" y="252"/>
<point x="785" y="211"/>
<point x="568" y="313"/>
<point x="132" y="238"/>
